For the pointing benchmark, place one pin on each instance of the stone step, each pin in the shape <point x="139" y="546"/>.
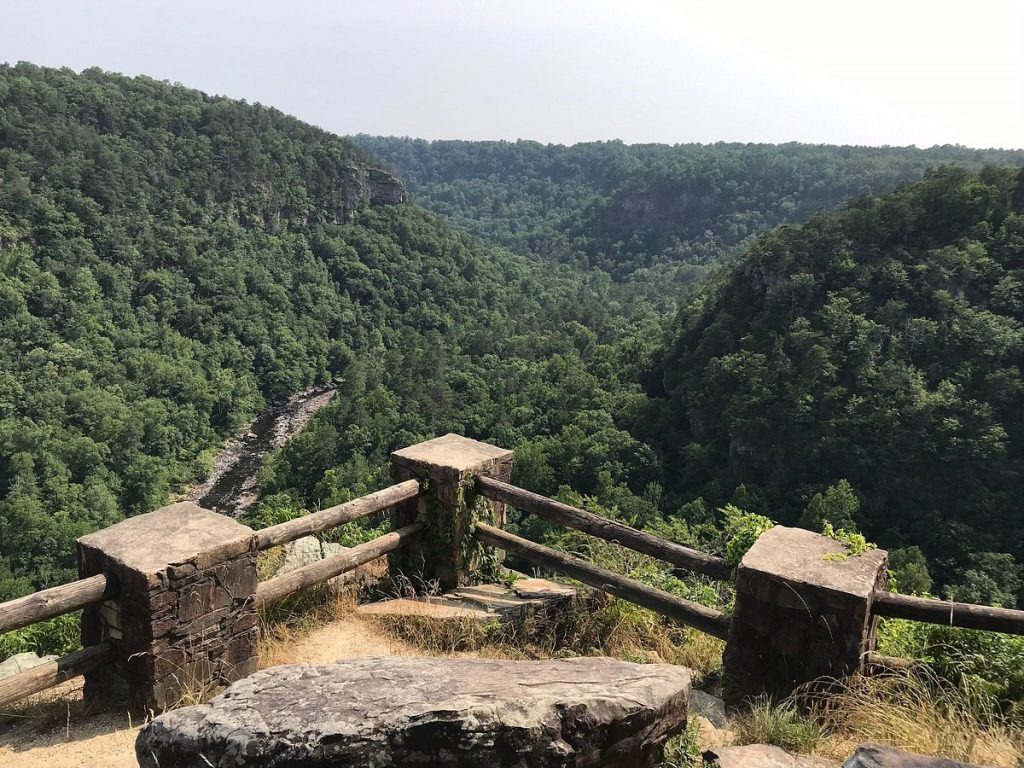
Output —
<point x="491" y="597"/>
<point x="485" y="602"/>
<point x="431" y="608"/>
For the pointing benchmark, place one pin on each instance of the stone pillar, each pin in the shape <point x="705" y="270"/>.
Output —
<point x="185" y="618"/>
<point x="448" y="465"/>
<point x="803" y="611"/>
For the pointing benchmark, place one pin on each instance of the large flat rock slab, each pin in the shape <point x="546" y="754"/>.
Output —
<point x="400" y="711"/>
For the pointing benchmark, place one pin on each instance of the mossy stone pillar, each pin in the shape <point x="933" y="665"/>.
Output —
<point x="185" y="618"/>
<point x="447" y="466"/>
<point x="803" y="611"/>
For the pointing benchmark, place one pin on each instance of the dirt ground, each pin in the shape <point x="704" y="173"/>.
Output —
<point x="56" y="732"/>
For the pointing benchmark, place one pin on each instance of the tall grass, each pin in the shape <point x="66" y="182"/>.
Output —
<point x="917" y="711"/>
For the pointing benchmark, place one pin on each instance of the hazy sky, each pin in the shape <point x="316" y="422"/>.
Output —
<point x="839" y="71"/>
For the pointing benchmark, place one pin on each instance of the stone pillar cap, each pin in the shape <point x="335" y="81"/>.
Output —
<point x="797" y="556"/>
<point x="451" y="451"/>
<point x="175" y="534"/>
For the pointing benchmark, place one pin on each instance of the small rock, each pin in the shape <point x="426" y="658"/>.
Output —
<point x="709" y="737"/>
<point x="879" y="756"/>
<point x="711" y="707"/>
<point x="20" y="662"/>
<point x="542" y="589"/>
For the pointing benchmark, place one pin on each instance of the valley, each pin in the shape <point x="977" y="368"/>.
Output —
<point x="695" y="340"/>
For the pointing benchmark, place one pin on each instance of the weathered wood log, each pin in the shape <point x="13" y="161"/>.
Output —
<point x="878" y="662"/>
<point x="683" y="611"/>
<point x="337" y="515"/>
<point x="280" y="587"/>
<point x="53" y="673"/>
<point x="951" y="614"/>
<point x="55" y="601"/>
<point x="609" y="530"/>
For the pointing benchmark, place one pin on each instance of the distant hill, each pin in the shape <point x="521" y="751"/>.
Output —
<point x="624" y="208"/>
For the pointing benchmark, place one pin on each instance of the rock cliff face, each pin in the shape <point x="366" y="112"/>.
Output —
<point x="364" y="183"/>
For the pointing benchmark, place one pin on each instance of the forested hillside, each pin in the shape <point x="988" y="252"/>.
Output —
<point x="629" y="210"/>
<point x="883" y="346"/>
<point x="864" y="369"/>
<point x="169" y="262"/>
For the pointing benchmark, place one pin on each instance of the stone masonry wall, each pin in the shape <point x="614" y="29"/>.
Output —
<point x="802" y="611"/>
<point x="185" y="619"/>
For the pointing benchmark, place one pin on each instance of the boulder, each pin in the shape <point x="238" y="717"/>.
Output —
<point x="300" y="553"/>
<point x="418" y="711"/>
<point x="309" y="549"/>
<point x="879" y="756"/>
<point x="20" y="662"/>
<point x="761" y="756"/>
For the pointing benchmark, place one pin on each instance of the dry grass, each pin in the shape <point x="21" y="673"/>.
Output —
<point x="290" y="620"/>
<point x="437" y="636"/>
<point x="919" y="712"/>
<point x="594" y="625"/>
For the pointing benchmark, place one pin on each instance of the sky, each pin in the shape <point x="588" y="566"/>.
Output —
<point x="895" y="72"/>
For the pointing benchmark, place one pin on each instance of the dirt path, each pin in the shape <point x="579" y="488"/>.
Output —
<point x="57" y="734"/>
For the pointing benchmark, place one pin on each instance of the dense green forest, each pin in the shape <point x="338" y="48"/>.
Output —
<point x="882" y="346"/>
<point x="170" y="262"/>
<point x="865" y="368"/>
<point x="649" y="213"/>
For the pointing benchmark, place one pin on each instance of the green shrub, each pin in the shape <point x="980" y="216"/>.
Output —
<point x="989" y="661"/>
<point x="683" y="751"/>
<point x="780" y="724"/>
<point x="57" y="636"/>
<point x="742" y="529"/>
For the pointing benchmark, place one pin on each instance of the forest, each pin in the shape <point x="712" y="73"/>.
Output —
<point x="865" y="368"/>
<point x="625" y="318"/>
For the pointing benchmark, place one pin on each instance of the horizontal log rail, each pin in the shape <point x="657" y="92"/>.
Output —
<point x="364" y="506"/>
<point x="52" y="673"/>
<point x="275" y="589"/>
<point x="683" y="611"/>
<point x="933" y="611"/>
<point x="609" y="530"/>
<point x="56" y="601"/>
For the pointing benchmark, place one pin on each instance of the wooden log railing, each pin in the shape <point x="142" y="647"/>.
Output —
<point x="51" y="673"/>
<point x="279" y="587"/>
<point x="364" y="506"/>
<point x="56" y="601"/>
<point x="950" y="614"/>
<point x="685" y="612"/>
<point x="610" y="530"/>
